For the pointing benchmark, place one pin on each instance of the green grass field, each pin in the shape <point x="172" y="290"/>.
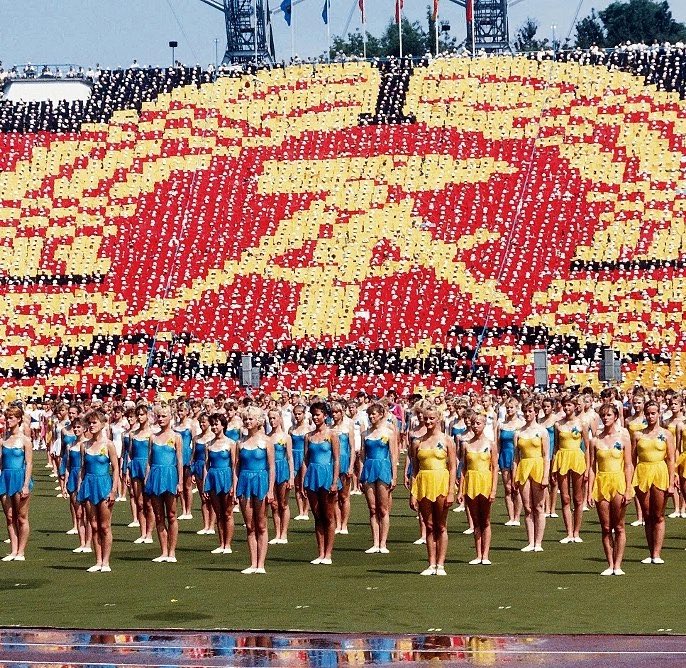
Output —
<point x="557" y="591"/>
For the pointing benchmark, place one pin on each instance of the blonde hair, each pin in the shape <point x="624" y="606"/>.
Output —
<point x="257" y="413"/>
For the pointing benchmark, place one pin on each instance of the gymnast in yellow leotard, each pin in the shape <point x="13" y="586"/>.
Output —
<point x="479" y="485"/>
<point x="675" y="425"/>
<point x="609" y="484"/>
<point x="434" y="467"/>
<point x="635" y="423"/>
<point x="531" y="474"/>
<point x="653" y="459"/>
<point x="570" y="465"/>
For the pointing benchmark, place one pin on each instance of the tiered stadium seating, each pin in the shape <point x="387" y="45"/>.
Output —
<point x="349" y="225"/>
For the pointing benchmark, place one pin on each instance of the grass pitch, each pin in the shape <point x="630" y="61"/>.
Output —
<point x="557" y="591"/>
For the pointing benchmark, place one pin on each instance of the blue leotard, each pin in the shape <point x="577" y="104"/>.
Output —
<point x="319" y="473"/>
<point x="67" y="441"/>
<point x="253" y="474"/>
<point x="13" y="471"/>
<point x="298" y="441"/>
<point x="506" y="449"/>
<point x="551" y="438"/>
<point x="281" y="470"/>
<point x="74" y="457"/>
<point x="163" y="477"/>
<point x="139" y="454"/>
<point x="186" y="444"/>
<point x="233" y="434"/>
<point x="377" y="461"/>
<point x="344" y="459"/>
<point x="455" y="432"/>
<point x="198" y="463"/>
<point x="97" y="480"/>
<point x="219" y="477"/>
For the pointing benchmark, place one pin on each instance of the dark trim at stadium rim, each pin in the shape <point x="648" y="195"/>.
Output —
<point x="626" y="265"/>
<point x="52" y="280"/>
<point x="273" y="648"/>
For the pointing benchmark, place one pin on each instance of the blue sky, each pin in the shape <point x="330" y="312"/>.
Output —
<point x="113" y="32"/>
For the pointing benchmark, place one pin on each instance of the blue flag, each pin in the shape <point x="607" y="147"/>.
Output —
<point x="286" y="6"/>
<point x="325" y="12"/>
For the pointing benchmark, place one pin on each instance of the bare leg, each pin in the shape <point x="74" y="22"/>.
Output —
<point x="383" y="503"/>
<point x="644" y="503"/>
<point x="218" y="502"/>
<point x="538" y="503"/>
<point x="344" y="503"/>
<point x="484" y="509"/>
<point x="658" y="500"/>
<point x="617" y="513"/>
<point x="104" y="516"/>
<point x="426" y="511"/>
<point x="525" y="491"/>
<point x="21" y="515"/>
<point x="509" y="494"/>
<point x="563" y="484"/>
<point x="158" y="507"/>
<point x="91" y="513"/>
<point x="249" y="519"/>
<point x="440" y="512"/>
<point x="261" y="533"/>
<point x="473" y="507"/>
<point x="318" y="524"/>
<point x="11" y="525"/>
<point x="370" y="494"/>
<point x="605" y="519"/>
<point x="328" y="503"/>
<point x="578" y="497"/>
<point x="187" y="492"/>
<point x="284" y="509"/>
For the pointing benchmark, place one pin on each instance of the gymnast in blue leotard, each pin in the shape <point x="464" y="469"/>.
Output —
<point x="322" y="479"/>
<point x="548" y="420"/>
<point x="198" y="459"/>
<point x="234" y="423"/>
<point x="184" y="428"/>
<point x="505" y="433"/>
<point x="379" y="462"/>
<point x="99" y="483"/>
<point x="297" y="432"/>
<point x="164" y="483"/>
<point x="255" y="486"/>
<point x="140" y="442"/>
<point x="74" y="443"/>
<point x="67" y="439"/>
<point x="16" y="466"/>
<point x="284" y="479"/>
<point x="344" y="427"/>
<point x="219" y="482"/>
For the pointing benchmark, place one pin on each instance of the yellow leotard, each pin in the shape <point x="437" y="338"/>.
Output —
<point x="651" y="468"/>
<point x="569" y="456"/>
<point x="531" y="463"/>
<point x="433" y="478"/>
<point x="636" y="426"/>
<point x="478" y="478"/>
<point x="610" y="479"/>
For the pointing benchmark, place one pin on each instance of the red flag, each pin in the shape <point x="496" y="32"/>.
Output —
<point x="398" y="10"/>
<point x="435" y="9"/>
<point x="361" y="4"/>
<point x="470" y="11"/>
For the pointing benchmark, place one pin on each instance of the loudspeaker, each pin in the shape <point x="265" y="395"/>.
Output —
<point x="541" y="368"/>
<point x="611" y="367"/>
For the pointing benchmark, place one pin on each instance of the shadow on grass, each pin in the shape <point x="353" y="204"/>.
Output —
<point x="10" y="584"/>
<point x="63" y="567"/>
<point x="172" y="616"/>
<point x="388" y="571"/>
<point x="569" y="572"/>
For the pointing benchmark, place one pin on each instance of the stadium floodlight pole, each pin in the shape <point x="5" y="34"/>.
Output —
<point x="399" y="10"/>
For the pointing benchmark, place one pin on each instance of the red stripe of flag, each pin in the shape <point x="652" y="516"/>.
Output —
<point x="470" y="11"/>
<point x="398" y="10"/>
<point x="435" y="9"/>
<point x="361" y="4"/>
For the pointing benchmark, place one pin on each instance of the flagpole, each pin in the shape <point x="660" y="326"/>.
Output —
<point x="473" y="33"/>
<point x="292" y="33"/>
<point x="255" y="14"/>
<point x="400" y="25"/>
<point x="364" y="31"/>
<point x="436" y="26"/>
<point x="328" y="31"/>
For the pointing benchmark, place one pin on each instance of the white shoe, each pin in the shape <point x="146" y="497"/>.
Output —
<point x="160" y="559"/>
<point x="87" y="549"/>
<point x="236" y="509"/>
<point x="7" y="540"/>
<point x="248" y="571"/>
<point x="527" y="548"/>
<point x="21" y="557"/>
<point x="553" y="515"/>
<point x="260" y="571"/>
<point x="674" y="515"/>
<point x="567" y="539"/>
<point x="440" y="570"/>
<point x="72" y="532"/>
<point x="148" y="540"/>
<point x="658" y="560"/>
<point x="509" y="523"/>
<point x="468" y="532"/>
<point x="275" y="541"/>
<point x="608" y="571"/>
<point x="619" y="571"/>
<point x="52" y="475"/>
<point x="326" y="562"/>
<point x="429" y="571"/>
<point x="217" y="550"/>
<point x="485" y="562"/>
<point x="210" y="532"/>
<point x="337" y="531"/>
<point x="301" y="518"/>
<point x="474" y="562"/>
<point x="202" y="532"/>
<point x="186" y="516"/>
<point x="683" y="513"/>
<point x="538" y="548"/>
<point x="134" y="525"/>
<point x="578" y="539"/>
<point x="228" y="550"/>
<point x="516" y="523"/>
<point x="78" y="550"/>
<point x="105" y="569"/>
<point x="420" y="541"/>
<point x="585" y="508"/>
<point x="372" y="550"/>
<point x="171" y="560"/>
<point x="636" y="523"/>
<point x="647" y="560"/>
<point x="283" y="541"/>
<point x="384" y="550"/>
<point x="8" y="557"/>
<point x="139" y="540"/>
<point x="344" y="532"/>
<point x="316" y="561"/>
<point x="94" y="569"/>
<point x="119" y="499"/>
<point x="546" y="515"/>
